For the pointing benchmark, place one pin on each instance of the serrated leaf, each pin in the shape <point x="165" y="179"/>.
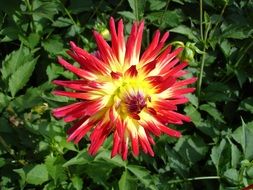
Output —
<point x="53" y="45"/>
<point x="184" y="30"/>
<point x="237" y="32"/>
<point x="37" y="175"/>
<point x="193" y="113"/>
<point x="232" y="175"/>
<point x="247" y="104"/>
<point x="77" y="182"/>
<point x="2" y="162"/>
<point x="143" y="175"/>
<point x="19" y="78"/>
<point x="15" y="60"/>
<point x="213" y="111"/>
<point x="55" y="168"/>
<point x="46" y="9"/>
<point x="106" y="156"/>
<point x="31" y="41"/>
<point x="4" y="101"/>
<point x="244" y="136"/>
<point x="127" y="182"/>
<point x="127" y="14"/>
<point x="191" y="148"/>
<point x="169" y="18"/>
<point x="137" y="7"/>
<point x="22" y="174"/>
<point x="81" y="158"/>
<point x="62" y="22"/>
<point x="220" y="156"/>
<point x="235" y="154"/>
<point x="31" y="98"/>
<point x="157" y="4"/>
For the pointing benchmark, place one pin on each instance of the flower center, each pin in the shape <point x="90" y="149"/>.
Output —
<point x="135" y="102"/>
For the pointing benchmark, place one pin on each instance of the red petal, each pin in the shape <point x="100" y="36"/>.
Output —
<point x="104" y="49"/>
<point x="165" y="104"/>
<point x="135" y="145"/>
<point x="84" y="96"/>
<point x="116" y="143"/>
<point x="80" y="72"/>
<point x="98" y="136"/>
<point x="131" y="72"/>
<point x="124" y="149"/>
<point x="169" y="131"/>
<point x="62" y="111"/>
<point x="81" y="130"/>
<point x="148" y="67"/>
<point x="165" y="84"/>
<point x="150" y="54"/>
<point x="76" y="125"/>
<point x="116" y="75"/>
<point x="133" y="45"/>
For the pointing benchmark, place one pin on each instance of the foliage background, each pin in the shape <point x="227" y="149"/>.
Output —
<point x="215" y="151"/>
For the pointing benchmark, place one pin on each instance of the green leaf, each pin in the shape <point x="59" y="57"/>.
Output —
<point x="220" y="156"/>
<point x="127" y="182"/>
<point x="191" y="148"/>
<point x="226" y="47"/>
<point x="244" y="136"/>
<point x="55" y="168"/>
<point x="21" y="172"/>
<point x="62" y="22"/>
<point x="237" y="32"/>
<point x="19" y="78"/>
<point x="2" y="162"/>
<point x="247" y="104"/>
<point x="143" y="175"/>
<point x="4" y="101"/>
<point x="232" y="175"/>
<point x="170" y="18"/>
<point x="156" y="5"/>
<point x="193" y="114"/>
<point x="30" y="41"/>
<point x="235" y="154"/>
<point x="37" y="175"/>
<point x="106" y="156"/>
<point x="217" y="92"/>
<point x="31" y="98"/>
<point x="15" y="60"/>
<point x="81" y="158"/>
<point x="184" y="30"/>
<point x="45" y="9"/>
<point x="127" y="14"/>
<point x="213" y="111"/>
<point x="77" y="182"/>
<point x="53" y="45"/>
<point x="137" y="7"/>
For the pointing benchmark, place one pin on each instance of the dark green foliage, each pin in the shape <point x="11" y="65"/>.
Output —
<point x="216" y="150"/>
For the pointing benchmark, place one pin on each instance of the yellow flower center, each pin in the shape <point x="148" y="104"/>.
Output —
<point x="130" y="95"/>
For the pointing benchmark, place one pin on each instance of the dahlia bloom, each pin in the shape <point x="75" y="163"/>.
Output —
<point x="122" y="92"/>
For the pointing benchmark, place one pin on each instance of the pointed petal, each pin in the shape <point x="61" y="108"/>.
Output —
<point x="80" y="72"/>
<point x="131" y="71"/>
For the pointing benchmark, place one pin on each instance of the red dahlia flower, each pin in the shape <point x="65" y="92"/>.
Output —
<point x="123" y="93"/>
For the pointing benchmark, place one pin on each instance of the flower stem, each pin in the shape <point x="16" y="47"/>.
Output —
<point x="199" y="84"/>
<point x="201" y="18"/>
<point x="193" y="179"/>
